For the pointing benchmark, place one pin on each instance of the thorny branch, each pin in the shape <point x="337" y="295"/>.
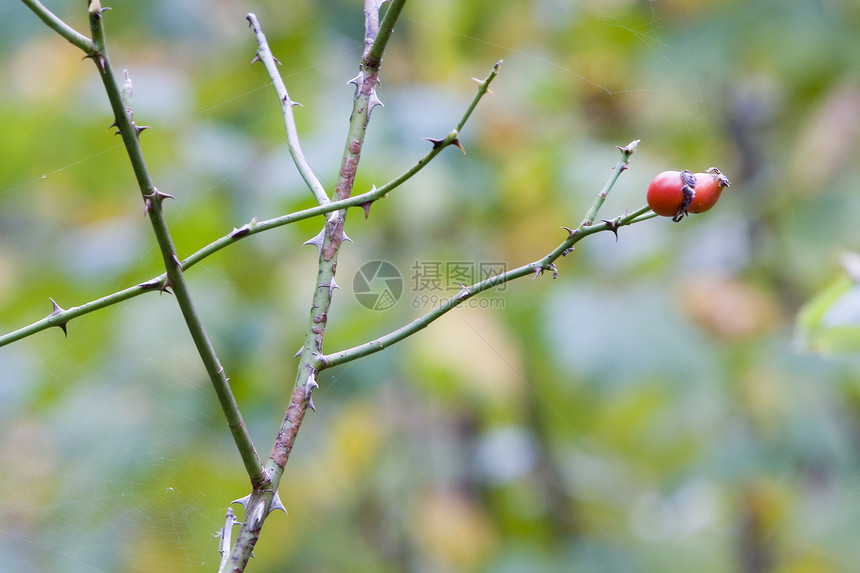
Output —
<point x="121" y="105"/>
<point x="263" y="498"/>
<point x="535" y="269"/>
<point x="363" y="200"/>
<point x="264" y="55"/>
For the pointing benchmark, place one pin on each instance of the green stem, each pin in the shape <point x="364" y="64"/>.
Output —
<point x="626" y="152"/>
<point x="535" y="268"/>
<point x="175" y="278"/>
<point x="483" y="88"/>
<point x="60" y="27"/>
<point x="328" y="242"/>
<point x="373" y="57"/>
<point x="264" y="54"/>
<point x="254" y="227"/>
<point x="64" y="316"/>
<point x="383" y="342"/>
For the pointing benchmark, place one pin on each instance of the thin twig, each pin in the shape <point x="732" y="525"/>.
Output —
<point x="157" y="284"/>
<point x="532" y="269"/>
<point x="120" y="100"/>
<point x="373" y="55"/>
<point x="328" y="242"/>
<point x="626" y="151"/>
<point x="264" y="55"/>
<point x="59" y="26"/>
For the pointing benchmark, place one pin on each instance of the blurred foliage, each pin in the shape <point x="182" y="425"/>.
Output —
<point x="652" y="409"/>
<point x="830" y="322"/>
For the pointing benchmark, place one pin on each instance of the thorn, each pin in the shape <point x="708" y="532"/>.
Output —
<point x="457" y="143"/>
<point x="58" y="310"/>
<point x="153" y="197"/>
<point x="99" y="59"/>
<point x="613" y="226"/>
<point x="481" y="83"/>
<point x="550" y="267"/>
<point x="149" y="285"/>
<point x="373" y="102"/>
<point x="465" y="292"/>
<point x="276" y="504"/>
<point x="346" y="237"/>
<point x="331" y="285"/>
<point x="570" y="232"/>
<point x="317" y="241"/>
<point x="243" y="501"/>
<point x="160" y="197"/>
<point x="357" y="81"/>
<point x="436" y="142"/>
<point x="366" y="206"/>
<point x="299" y="353"/>
<point x="165" y="286"/>
<point x="277" y="61"/>
<point x="242" y="231"/>
<point x="113" y="125"/>
<point x="256" y="59"/>
<point x="138" y="129"/>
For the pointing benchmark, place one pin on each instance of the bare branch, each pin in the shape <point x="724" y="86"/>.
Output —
<point x="264" y="55"/>
<point x="60" y="27"/>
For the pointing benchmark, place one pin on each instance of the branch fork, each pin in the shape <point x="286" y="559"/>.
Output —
<point x="265" y="478"/>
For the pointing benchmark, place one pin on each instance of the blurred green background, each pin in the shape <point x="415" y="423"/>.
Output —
<point x="654" y="408"/>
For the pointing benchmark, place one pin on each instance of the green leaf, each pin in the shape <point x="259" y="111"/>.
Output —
<point x="830" y="322"/>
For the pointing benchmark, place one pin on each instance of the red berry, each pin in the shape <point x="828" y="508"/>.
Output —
<point x="666" y="195"/>
<point x="708" y="188"/>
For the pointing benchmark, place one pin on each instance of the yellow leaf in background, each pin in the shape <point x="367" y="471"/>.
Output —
<point x="829" y="140"/>
<point x="453" y="530"/>
<point x="728" y="307"/>
<point x="471" y="349"/>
